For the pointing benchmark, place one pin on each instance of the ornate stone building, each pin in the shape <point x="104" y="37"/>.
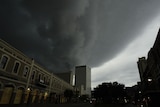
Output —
<point x="22" y="80"/>
<point x="152" y="72"/>
<point x="149" y="70"/>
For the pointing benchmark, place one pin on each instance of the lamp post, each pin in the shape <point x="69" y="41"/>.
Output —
<point x="28" y="89"/>
<point x="30" y="72"/>
<point x="149" y="79"/>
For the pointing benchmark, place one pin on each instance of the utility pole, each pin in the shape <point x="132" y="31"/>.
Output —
<point x="30" y="73"/>
<point x="50" y="85"/>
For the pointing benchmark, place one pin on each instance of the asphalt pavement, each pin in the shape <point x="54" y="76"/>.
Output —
<point x="70" y="105"/>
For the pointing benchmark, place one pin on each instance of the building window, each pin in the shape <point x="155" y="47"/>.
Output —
<point x="47" y="81"/>
<point x="16" y="67"/>
<point x="44" y="79"/>
<point x="25" y="71"/>
<point x="39" y="77"/>
<point x="4" y="61"/>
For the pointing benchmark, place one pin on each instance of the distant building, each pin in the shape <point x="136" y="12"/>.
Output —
<point x="66" y="76"/>
<point x="131" y="92"/>
<point x="83" y="79"/>
<point x="142" y="63"/>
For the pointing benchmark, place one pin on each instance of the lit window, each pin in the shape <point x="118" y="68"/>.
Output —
<point x="25" y="71"/>
<point x="16" y="67"/>
<point x="3" y="62"/>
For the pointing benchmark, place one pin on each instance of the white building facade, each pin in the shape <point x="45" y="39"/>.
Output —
<point x="23" y="81"/>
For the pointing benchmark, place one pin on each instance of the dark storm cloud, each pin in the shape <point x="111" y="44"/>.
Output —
<point x="48" y="31"/>
<point x="118" y="23"/>
<point x="60" y="34"/>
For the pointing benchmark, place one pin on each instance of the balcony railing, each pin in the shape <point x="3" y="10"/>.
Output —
<point x="41" y="83"/>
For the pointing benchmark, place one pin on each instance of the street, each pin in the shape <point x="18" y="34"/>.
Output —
<point x="71" y="105"/>
<point x="115" y="105"/>
<point x="68" y="105"/>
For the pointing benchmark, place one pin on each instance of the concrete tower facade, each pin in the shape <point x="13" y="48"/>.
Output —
<point x="83" y="79"/>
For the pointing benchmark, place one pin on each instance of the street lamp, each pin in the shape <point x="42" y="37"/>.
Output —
<point x="28" y="89"/>
<point x="149" y="80"/>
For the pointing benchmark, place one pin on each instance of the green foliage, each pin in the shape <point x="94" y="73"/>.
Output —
<point x="109" y="92"/>
<point x="68" y="93"/>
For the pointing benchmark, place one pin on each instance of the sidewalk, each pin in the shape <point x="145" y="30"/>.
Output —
<point x="115" y="105"/>
<point x="51" y="105"/>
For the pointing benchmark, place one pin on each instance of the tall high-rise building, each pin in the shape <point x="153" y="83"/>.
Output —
<point x="83" y="79"/>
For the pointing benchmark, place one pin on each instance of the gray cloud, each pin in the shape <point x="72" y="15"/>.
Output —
<point x="60" y="34"/>
<point x="118" y="23"/>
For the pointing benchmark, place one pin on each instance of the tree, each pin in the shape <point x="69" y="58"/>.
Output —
<point x="109" y="92"/>
<point x="68" y="94"/>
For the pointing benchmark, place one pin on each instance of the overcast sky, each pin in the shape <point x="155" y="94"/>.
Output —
<point x="107" y="35"/>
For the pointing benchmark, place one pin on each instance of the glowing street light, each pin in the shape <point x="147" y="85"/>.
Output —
<point x="149" y="79"/>
<point x="28" y="89"/>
